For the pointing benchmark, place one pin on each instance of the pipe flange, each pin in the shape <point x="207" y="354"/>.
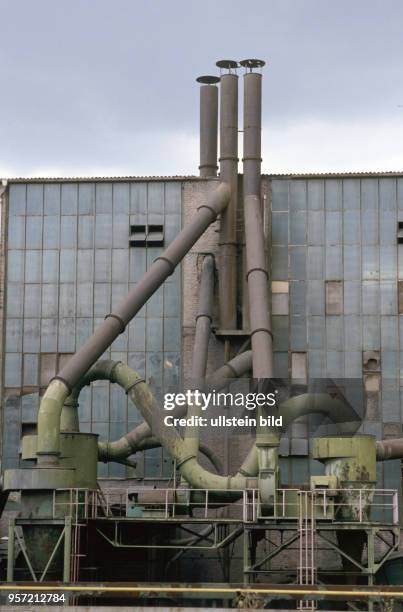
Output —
<point x="252" y="158"/>
<point x="185" y="460"/>
<point x="257" y="269"/>
<point x="111" y="315"/>
<point x="168" y="261"/>
<point x="262" y="329"/>
<point x="210" y="208"/>
<point x="228" y="158"/>
<point x="201" y="314"/>
<point x="136" y="382"/>
<point x="63" y="380"/>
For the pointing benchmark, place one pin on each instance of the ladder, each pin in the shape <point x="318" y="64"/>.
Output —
<point x="307" y="545"/>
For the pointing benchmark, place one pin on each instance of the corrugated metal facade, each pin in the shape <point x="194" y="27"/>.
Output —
<point x="340" y="235"/>
<point x="68" y="263"/>
<point x="335" y="258"/>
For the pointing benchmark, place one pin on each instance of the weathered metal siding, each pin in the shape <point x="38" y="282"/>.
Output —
<point x="343" y="230"/>
<point x="68" y="263"/>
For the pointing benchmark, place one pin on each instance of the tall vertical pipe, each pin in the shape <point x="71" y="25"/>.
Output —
<point x="200" y="347"/>
<point x="252" y="136"/>
<point x="208" y="125"/>
<point x="228" y="174"/>
<point x="256" y="273"/>
<point x="267" y="441"/>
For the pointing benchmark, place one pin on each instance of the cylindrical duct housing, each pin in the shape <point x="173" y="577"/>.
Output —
<point x="208" y="125"/>
<point x="228" y="174"/>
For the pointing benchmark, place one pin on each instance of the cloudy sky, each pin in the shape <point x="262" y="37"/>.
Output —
<point x="107" y="87"/>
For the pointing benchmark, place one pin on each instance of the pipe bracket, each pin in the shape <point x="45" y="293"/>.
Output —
<point x="208" y="166"/>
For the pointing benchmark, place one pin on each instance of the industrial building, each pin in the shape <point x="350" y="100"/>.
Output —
<point x="331" y="268"/>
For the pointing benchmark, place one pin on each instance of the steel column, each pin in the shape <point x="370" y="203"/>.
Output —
<point x="11" y="550"/>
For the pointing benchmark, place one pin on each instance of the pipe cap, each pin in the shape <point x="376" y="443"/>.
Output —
<point x="208" y="79"/>
<point x="227" y="64"/>
<point x="252" y="63"/>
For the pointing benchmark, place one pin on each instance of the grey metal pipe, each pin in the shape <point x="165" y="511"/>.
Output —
<point x="203" y="321"/>
<point x="336" y="408"/>
<point x="258" y="290"/>
<point x="200" y="347"/>
<point x="387" y="450"/>
<point x="208" y="125"/>
<point x="252" y="134"/>
<point x="228" y="174"/>
<point x="115" y="323"/>
<point x="256" y="266"/>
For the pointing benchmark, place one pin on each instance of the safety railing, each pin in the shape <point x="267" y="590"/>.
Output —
<point x="353" y="505"/>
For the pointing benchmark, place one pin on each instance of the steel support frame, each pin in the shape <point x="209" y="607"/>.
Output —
<point x="217" y="539"/>
<point x="253" y="569"/>
<point x="14" y="537"/>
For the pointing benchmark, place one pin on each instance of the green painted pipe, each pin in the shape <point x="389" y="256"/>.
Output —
<point x="132" y="441"/>
<point x="170" y="439"/>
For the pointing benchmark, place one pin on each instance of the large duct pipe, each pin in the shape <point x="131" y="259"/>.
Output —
<point x="208" y="125"/>
<point x="258" y="290"/>
<point x="256" y="267"/>
<point x="252" y="136"/>
<point x="115" y="323"/>
<point x="132" y="441"/>
<point x="200" y="346"/>
<point x="228" y="174"/>
<point x="387" y="450"/>
<point x="169" y="438"/>
<point x="337" y="409"/>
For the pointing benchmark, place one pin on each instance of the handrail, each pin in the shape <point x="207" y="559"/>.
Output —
<point x="83" y="504"/>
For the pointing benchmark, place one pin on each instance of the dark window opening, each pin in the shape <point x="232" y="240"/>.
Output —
<point x="143" y="235"/>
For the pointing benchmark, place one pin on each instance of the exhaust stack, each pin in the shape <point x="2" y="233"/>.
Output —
<point x="256" y="274"/>
<point x="208" y="125"/>
<point x="228" y="174"/>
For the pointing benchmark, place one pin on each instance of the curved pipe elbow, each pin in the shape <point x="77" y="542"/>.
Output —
<point x="49" y="416"/>
<point x="339" y="411"/>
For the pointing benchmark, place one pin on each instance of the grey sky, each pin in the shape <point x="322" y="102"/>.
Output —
<point x="107" y="87"/>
